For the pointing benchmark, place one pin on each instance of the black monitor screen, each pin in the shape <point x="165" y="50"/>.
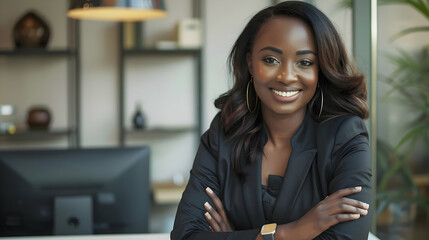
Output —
<point x="74" y="191"/>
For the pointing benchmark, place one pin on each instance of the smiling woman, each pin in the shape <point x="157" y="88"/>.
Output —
<point x="284" y="67"/>
<point x="287" y="157"/>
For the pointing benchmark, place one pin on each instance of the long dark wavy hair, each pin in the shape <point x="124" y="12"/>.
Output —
<point x="344" y="89"/>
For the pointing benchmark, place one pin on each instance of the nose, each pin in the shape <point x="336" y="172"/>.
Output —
<point x="287" y="73"/>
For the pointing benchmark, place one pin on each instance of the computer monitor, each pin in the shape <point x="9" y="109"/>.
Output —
<point x="74" y="191"/>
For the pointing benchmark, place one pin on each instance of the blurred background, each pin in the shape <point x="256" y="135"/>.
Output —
<point x="95" y="84"/>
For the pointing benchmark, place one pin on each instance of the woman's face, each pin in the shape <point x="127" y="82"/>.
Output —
<point x="284" y="66"/>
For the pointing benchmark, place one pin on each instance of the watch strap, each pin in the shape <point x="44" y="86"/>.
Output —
<point x="268" y="236"/>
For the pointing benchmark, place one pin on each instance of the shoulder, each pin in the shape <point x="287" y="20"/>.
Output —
<point x="214" y="134"/>
<point x="344" y="126"/>
<point x="342" y="129"/>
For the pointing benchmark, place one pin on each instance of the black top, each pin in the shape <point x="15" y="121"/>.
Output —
<point x="269" y="196"/>
<point x="325" y="158"/>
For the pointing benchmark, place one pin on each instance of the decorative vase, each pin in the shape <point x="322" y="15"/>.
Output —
<point x="139" y="119"/>
<point x="31" y="32"/>
<point x="38" y="118"/>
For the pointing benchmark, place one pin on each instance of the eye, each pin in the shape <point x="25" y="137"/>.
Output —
<point x="270" y="60"/>
<point x="305" y="63"/>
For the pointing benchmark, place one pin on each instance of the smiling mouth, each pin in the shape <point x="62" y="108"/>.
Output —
<point x="285" y="93"/>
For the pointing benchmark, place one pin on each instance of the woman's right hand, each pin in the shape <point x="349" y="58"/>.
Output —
<point x="332" y="210"/>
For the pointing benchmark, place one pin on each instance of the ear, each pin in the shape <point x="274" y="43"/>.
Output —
<point x="249" y="63"/>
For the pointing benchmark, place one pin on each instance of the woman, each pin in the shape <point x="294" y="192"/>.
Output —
<point x="289" y="145"/>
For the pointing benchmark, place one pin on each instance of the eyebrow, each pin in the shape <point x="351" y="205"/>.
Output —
<point x="274" y="49"/>
<point x="302" y="52"/>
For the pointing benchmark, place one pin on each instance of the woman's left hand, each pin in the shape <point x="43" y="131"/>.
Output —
<point x="218" y="220"/>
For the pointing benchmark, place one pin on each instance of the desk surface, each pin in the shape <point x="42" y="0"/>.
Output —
<point x="158" y="236"/>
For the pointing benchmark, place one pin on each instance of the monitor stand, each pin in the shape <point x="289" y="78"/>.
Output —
<point x="73" y="215"/>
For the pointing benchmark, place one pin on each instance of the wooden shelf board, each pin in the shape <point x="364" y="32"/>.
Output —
<point x="162" y="130"/>
<point x="35" y="134"/>
<point x="149" y="51"/>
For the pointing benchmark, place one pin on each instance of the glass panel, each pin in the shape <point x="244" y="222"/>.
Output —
<point x="403" y="117"/>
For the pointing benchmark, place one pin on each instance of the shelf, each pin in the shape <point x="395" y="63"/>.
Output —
<point x="161" y="130"/>
<point x="36" y="52"/>
<point x="167" y="193"/>
<point x="35" y="134"/>
<point x="145" y="51"/>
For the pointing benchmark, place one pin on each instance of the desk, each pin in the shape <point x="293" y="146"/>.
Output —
<point x="157" y="236"/>
<point x="168" y="192"/>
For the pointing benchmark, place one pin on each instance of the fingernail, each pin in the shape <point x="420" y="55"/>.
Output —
<point x="356" y="215"/>
<point x="366" y="205"/>
<point x="365" y="212"/>
<point x="207" y="205"/>
<point x="358" y="188"/>
<point x="209" y="190"/>
<point x="207" y="214"/>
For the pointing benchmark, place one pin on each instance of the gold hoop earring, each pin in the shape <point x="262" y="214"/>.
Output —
<point x="321" y="104"/>
<point x="247" y="97"/>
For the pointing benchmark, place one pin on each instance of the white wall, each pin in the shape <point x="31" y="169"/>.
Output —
<point x="99" y="84"/>
<point x="224" y="21"/>
<point x="340" y="17"/>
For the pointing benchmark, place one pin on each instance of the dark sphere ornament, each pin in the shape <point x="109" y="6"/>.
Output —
<point x="38" y="118"/>
<point x="31" y="32"/>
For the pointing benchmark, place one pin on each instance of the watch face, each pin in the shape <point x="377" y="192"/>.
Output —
<point x="269" y="228"/>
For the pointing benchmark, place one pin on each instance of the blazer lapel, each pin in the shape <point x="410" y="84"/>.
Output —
<point x="252" y="193"/>
<point x="296" y="172"/>
<point x="302" y="156"/>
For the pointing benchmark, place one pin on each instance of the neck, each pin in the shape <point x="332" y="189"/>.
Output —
<point x="282" y="128"/>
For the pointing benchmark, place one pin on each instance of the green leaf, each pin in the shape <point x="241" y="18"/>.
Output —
<point x="411" y="134"/>
<point x="419" y="5"/>
<point x="345" y="4"/>
<point x="381" y="207"/>
<point x="409" y="31"/>
<point x="389" y="173"/>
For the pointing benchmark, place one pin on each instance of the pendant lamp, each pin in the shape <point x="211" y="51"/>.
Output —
<point x="117" y="10"/>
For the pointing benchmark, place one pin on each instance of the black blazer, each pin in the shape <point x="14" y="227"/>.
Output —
<point x="325" y="158"/>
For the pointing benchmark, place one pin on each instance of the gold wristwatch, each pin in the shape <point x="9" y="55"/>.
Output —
<point x="268" y="231"/>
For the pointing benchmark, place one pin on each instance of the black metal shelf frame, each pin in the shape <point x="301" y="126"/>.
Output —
<point x="36" y="52"/>
<point x="196" y="53"/>
<point x="73" y="84"/>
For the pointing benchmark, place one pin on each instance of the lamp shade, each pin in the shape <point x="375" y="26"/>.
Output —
<point x="117" y="10"/>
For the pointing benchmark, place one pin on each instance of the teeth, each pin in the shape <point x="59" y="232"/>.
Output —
<point x="285" y="94"/>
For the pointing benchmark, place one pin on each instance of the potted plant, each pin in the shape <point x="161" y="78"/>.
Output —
<point x="398" y="196"/>
<point x="410" y="80"/>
